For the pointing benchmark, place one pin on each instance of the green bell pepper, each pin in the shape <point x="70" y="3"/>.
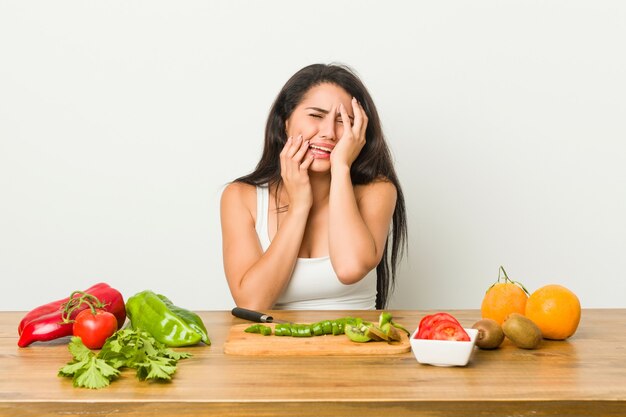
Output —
<point x="194" y="321"/>
<point x="167" y="323"/>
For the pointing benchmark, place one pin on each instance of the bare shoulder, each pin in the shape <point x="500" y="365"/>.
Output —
<point x="380" y="188"/>
<point x="239" y="190"/>
<point x="239" y="196"/>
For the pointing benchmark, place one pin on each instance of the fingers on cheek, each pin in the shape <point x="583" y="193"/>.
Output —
<point x="304" y="148"/>
<point x="287" y="145"/>
<point x="307" y="163"/>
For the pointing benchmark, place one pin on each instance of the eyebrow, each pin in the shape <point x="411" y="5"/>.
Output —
<point x="325" y="111"/>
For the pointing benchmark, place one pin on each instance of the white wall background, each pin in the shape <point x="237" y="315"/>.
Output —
<point x="120" y="121"/>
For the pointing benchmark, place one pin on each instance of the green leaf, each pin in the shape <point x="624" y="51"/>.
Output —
<point x="142" y="371"/>
<point x="156" y="368"/>
<point x="78" y="349"/>
<point x="175" y="355"/>
<point x="73" y="367"/>
<point x="106" y="370"/>
<point x="126" y="348"/>
<point x="115" y="359"/>
<point x="91" y="377"/>
<point x="149" y="346"/>
<point x="112" y="345"/>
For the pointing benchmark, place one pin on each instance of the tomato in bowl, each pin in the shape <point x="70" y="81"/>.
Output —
<point x="441" y="340"/>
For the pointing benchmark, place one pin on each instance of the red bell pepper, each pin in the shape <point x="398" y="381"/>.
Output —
<point x="51" y="308"/>
<point x="47" y="322"/>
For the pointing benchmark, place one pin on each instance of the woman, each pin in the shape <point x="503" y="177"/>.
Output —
<point x="310" y="227"/>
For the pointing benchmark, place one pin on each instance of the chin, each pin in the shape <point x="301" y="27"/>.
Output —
<point x="320" y="165"/>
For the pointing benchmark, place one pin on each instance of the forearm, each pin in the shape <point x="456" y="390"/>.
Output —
<point x="352" y="247"/>
<point x="263" y="283"/>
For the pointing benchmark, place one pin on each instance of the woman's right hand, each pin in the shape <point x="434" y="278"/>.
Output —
<point x="294" y="172"/>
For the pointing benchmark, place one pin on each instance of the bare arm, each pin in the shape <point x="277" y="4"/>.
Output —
<point x="256" y="279"/>
<point x="358" y="229"/>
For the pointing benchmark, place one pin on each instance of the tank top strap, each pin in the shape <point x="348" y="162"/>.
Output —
<point x="262" y="215"/>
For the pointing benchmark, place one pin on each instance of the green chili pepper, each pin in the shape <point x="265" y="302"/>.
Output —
<point x="317" y="329"/>
<point x="334" y="327"/>
<point x="170" y="325"/>
<point x="301" y="330"/>
<point x="259" y="328"/>
<point x="282" y="330"/>
<point x="253" y="329"/>
<point x="327" y="327"/>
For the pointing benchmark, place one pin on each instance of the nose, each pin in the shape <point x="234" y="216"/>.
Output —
<point x="327" y="129"/>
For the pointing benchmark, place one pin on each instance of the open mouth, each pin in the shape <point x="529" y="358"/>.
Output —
<point x="320" y="151"/>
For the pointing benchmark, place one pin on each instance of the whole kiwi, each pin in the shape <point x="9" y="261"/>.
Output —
<point x="522" y="331"/>
<point x="490" y="334"/>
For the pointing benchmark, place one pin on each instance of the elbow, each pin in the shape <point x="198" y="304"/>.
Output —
<point x="254" y="306"/>
<point x="351" y="270"/>
<point x="248" y="300"/>
<point x="351" y="274"/>
<point x="251" y="304"/>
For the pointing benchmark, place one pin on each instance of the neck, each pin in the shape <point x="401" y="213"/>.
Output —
<point x="320" y="185"/>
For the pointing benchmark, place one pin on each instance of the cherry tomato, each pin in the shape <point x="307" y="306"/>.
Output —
<point x="94" y="329"/>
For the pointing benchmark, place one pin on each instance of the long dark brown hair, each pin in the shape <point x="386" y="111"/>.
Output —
<point x="373" y="163"/>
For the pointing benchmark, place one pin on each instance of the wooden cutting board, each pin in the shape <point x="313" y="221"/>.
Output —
<point x="242" y="343"/>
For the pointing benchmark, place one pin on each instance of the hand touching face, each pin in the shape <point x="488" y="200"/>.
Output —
<point x="353" y="136"/>
<point x="332" y="122"/>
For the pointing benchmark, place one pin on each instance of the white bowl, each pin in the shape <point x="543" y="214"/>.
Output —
<point x="443" y="352"/>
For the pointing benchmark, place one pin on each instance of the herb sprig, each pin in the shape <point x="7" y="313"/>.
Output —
<point x="125" y="348"/>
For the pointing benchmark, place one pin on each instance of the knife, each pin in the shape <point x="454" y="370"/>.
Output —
<point x="255" y="316"/>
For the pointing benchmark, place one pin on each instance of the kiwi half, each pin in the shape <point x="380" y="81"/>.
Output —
<point x="357" y="333"/>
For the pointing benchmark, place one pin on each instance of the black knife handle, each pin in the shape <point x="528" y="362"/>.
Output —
<point x="251" y="315"/>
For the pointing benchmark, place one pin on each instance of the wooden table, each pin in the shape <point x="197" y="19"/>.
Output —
<point x="583" y="376"/>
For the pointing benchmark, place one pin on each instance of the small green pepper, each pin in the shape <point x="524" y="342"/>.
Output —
<point x="170" y="325"/>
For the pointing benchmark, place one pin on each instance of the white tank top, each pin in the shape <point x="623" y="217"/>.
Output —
<point x="314" y="284"/>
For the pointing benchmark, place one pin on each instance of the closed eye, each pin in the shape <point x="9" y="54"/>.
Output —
<point x="321" y="113"/>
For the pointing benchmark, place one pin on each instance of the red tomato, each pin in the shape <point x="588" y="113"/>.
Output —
<point x="449" y="330"/>
<point x="428" y="322"/>
<point x="94" y="329"/>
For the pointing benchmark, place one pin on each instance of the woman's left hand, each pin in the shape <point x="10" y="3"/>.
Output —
<point x="353" y="138"/>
